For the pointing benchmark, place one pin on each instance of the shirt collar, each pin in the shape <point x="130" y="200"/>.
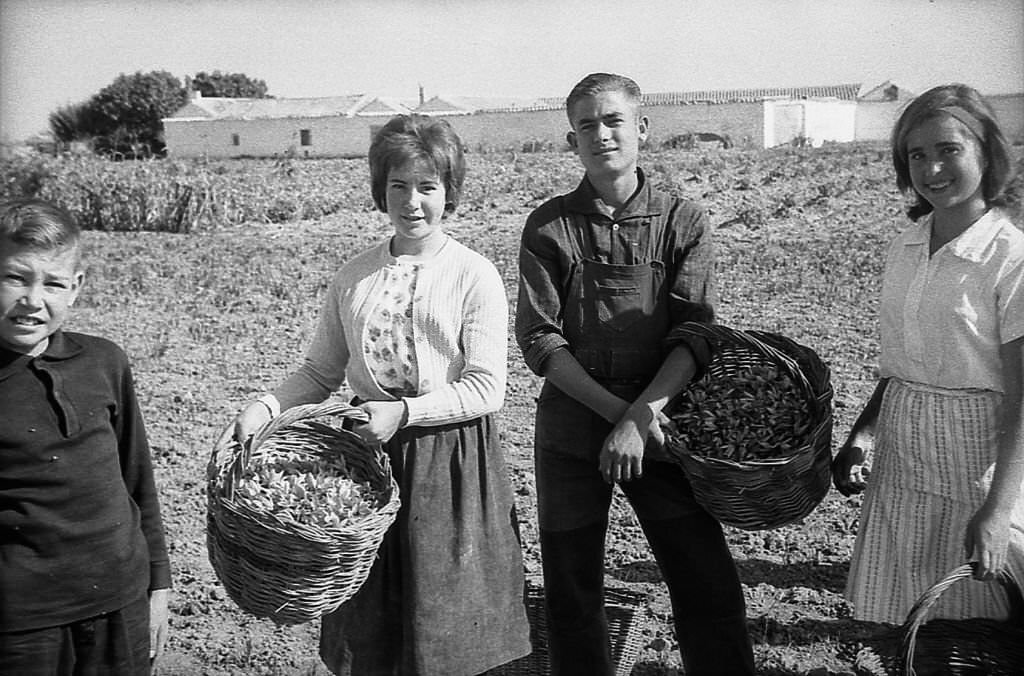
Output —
<point x="60" y="347"/>
<point x="970" y="244"/>
<point x="585" y="200"/>
<point x="385" y="257"/>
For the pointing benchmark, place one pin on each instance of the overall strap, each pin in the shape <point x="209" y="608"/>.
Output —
<point x="582" y="249"/>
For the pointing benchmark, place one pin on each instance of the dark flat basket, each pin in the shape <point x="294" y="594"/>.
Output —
<point x="762" y="494"/>
<point x="961" y="647"/>
<point x="285" y="571"/>
<point x="621" y="607"/>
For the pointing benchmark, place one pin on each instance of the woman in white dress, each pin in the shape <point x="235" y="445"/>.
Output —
<point x="946" y="418"/>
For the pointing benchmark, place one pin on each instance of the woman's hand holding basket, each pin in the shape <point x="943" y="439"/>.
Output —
<point x="850" y="470"/>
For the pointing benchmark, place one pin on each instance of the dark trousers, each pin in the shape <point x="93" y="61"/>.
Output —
<point x="707" y="599"/>
<point x="114" y="644"/>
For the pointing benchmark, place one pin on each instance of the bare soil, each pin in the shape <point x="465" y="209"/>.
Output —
<point x="215" y="318"/>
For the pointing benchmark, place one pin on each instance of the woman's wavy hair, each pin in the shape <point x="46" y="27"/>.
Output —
<point x="995" y="148"/>
<point x="412" y="138"/>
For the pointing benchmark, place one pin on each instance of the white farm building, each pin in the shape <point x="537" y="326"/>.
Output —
<point x="335" y="126"/>
<point x="341" y="126"/>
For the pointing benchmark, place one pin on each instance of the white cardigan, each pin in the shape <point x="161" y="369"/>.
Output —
<point x="460" y="328"/>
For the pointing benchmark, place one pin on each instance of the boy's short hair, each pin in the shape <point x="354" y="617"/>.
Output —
<point x="595" y="83"/>
<point x="39" y="224"/>
<point x="964" y="100"/>
<point x="410" y="138"/>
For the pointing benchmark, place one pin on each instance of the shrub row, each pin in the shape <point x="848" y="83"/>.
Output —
<point x="749" y="187"/>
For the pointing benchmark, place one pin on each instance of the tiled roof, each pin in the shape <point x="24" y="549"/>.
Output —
<point x="844" y="92"/>
<point x="464" y="105"/>
<point x="254" y="109"/>
<point x="383" y="105"/>
<point x="361" y="104"/>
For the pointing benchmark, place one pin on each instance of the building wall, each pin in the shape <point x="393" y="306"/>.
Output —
<point x="875" y="119"/>
<point x="744" y="123"/>
<point x="341" y="136"/>
<point x="328" y="137"/>
<point x="510" y="131"/>
<point x="1010" y="111"/>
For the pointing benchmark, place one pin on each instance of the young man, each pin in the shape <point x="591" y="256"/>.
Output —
<point x="605" y="272"/>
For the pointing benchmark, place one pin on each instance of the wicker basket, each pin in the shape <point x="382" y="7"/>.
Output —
<point x="761" y="494"/>
<point x="959" y="647"/>
<point x="621" y="606"/>
<point x="282" y="570"/>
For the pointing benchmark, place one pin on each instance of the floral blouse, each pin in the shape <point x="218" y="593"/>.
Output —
<point x="389" y="346"/>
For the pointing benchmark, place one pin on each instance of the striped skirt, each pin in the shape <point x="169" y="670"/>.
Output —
<point x="934" y="454"/>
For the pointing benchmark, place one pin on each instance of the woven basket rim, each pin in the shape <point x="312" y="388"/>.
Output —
<point x="334" y="560"/>
<point x="819" y="402"/>
<point x="918" y="614"/>
<point x="758" y="493"/>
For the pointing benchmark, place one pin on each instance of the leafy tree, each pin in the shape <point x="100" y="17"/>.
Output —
<point x="72" y="122"/>
<point x="230" y="85"/>
<point x="126" y="114"/>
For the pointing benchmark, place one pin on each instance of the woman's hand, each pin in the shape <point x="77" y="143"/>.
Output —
<point x="245" y="424"/>
<point x="252" y="417"/>
<point x="386" y="418"/>
<point x="849" y="471"/>
<point x="987" y="541"/>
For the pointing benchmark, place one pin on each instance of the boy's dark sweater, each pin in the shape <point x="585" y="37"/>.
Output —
<point x="80" y="527"/>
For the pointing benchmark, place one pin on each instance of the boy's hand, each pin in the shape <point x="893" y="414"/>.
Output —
<point x="386" y="418"/>
<point x="158" y="624"/>
<point x="622" y="454"/>
<point x="849" y="472"/>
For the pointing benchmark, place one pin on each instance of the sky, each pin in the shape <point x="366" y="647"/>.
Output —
<point x="56" y="52"/>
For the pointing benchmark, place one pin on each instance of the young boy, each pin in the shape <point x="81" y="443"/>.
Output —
<point x="84" y="573"/>
<point x="605" y="272"/>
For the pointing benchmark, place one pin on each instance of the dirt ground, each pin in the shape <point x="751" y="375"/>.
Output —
<point x="215" y="318"/>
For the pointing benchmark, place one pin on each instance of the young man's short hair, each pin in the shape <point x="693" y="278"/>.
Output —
<point x="409" y="138"/>
<point x="39" y="224"/>
<point x="595" y="83"/>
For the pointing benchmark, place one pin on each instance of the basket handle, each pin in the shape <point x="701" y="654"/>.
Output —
<point x="718" y="332"/>
<point x="301" y="412"/>
<point x="916" y="617"/>
<point x="243" y="453"/>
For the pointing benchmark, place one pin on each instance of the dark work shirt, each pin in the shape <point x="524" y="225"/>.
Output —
<point x="80" y="527"/>
<point x="547" y="259"/>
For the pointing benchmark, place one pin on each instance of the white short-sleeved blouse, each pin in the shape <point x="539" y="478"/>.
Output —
<point x="944" y="317"/>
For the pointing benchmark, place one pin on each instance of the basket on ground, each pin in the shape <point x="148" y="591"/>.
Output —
<point x="290" y="568"/>
<point x="960" y="647"/>
<point x="790" y="473"/>
<point x="624" y="632"/>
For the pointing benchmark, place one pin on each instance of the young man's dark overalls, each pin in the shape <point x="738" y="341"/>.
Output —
<point x="615" y="317"/>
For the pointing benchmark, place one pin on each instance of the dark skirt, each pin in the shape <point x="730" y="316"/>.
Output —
<point x="445" y="596"/>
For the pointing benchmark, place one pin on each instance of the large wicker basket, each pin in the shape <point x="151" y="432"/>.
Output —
<point x="762" y="494"/>
<point x="624" y="632"/>
<point x="960" y="647"/>
<point x="287" y="571"/>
